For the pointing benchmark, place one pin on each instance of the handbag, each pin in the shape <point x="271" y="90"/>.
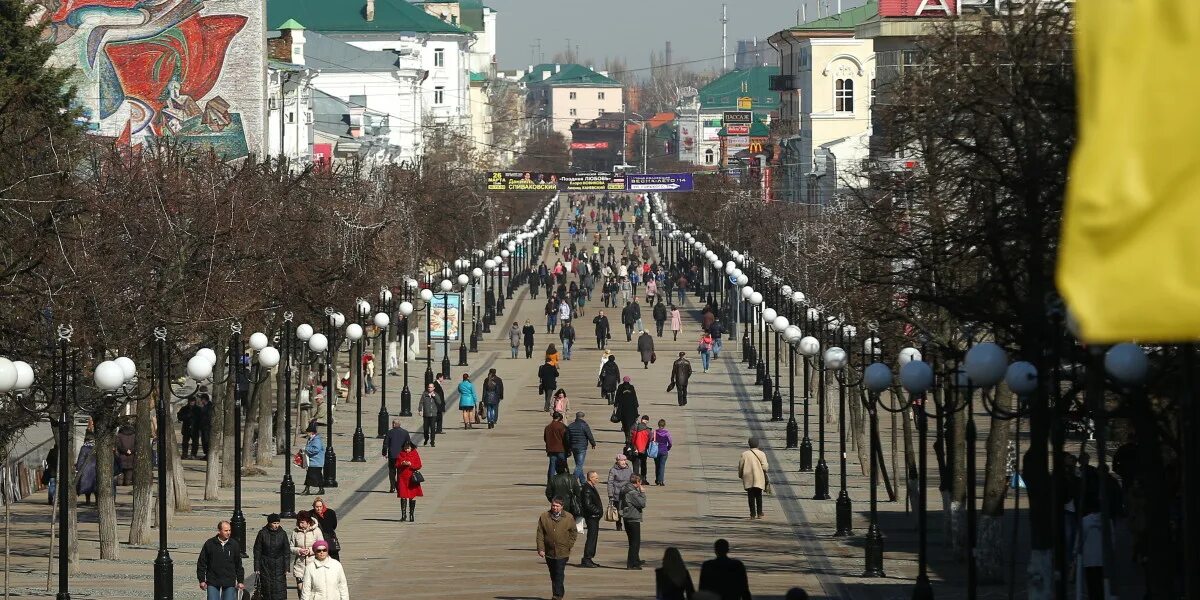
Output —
<point x="417" y="478"/>
<point x="611" y="515"/>
<point x="580" y="526"/>
<point x="652" y="450"/>
<point x="615" y="418"/>
<point x="653" y="357"/>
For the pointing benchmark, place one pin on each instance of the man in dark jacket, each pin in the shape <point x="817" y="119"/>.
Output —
<point x="579" y="433"/>
<point x="493" y="393"/>
<point x="202" y="422"/>
<point x="555" y="435"/>
<point x="566" y="335"/>
<point x="220" y="563"/>
<point x="603" y="332"/>
<point x="627" y="406"/>
<point x="564" y="485"/>
<point x="660" y="316"/>
<point x="716" y="329"/>
<point x="724" y="576"/>
<point x="610" y="375"/>
<point x="629" y="317"/>
<point x="681" y="371"/>
<point x="190" y="435"/>
<point x="591" y="509"/>
<point x="272" y="557"/>
<point x="548" y="381"/>
<point x="441" y="399"/>
<point x="393" y="443"/>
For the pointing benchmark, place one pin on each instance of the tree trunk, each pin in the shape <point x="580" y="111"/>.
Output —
<point x="227" y="441"/>
<point x="106" y="502"/>
<point x="213" y="468"/>
<point x="143" y="477"/>
<point x="179" y="488"/>
<point x="857" y="418"/>
<point x="264" y="452"/>
<point x="993" y="545"/>
<point x="281" y="404"/>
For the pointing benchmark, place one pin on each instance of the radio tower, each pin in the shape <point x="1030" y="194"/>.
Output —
<point x="724" y="40"/>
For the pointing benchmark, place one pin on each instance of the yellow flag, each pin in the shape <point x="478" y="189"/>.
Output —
<point x="1129" y="260"/>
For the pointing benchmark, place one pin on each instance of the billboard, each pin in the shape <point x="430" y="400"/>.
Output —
<point x="589" y="145"/>
<point x="518" y="181"/>
<point x="445" y="314"/>
<point x="592" y="182"/>
<point x="738" y="117"/>
<point x="950" y="8"/>
<point x="660" y="182"/>
<point x="737" y="129"/>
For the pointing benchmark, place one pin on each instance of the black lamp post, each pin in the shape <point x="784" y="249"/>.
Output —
<point x="500" y="294"/>
<point x="917" y="377"/>
<point x="427" y="297"/>
<point x="877" y="377"/>
<point x="383" y="321"/>
<point x="356" y="335"/>
<point x="837" y="359"/>
<point x="809" y="348"/>
<point x="241" y="390"/>
<point x="463" y="280"/>
<point x="779" y="324"/>
<point x="507" y="254"/>
<point x="292" y="345"/>
<point x="822" y="470"/>
<point x="406" y="309"/>
<point x="446" y="286"/>
<point x="333" y="322"/>
<point x="476" y="277"/>
<point x="489" y="296"/>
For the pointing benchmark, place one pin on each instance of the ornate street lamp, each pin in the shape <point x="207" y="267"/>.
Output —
<point x="427" y="298"/>
<point x="446" y="286"/>
<point x="406" y="309"/>
<point x="780" y="324"/>
<point x="476" y="277"/>
<point x="330" y="344"/>
<point x="383" y="322"/>
<point x="355" y="333"/>
<point x="463" y="280"/>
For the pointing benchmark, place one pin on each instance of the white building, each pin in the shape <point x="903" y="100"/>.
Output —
<point x="826" y="81"/>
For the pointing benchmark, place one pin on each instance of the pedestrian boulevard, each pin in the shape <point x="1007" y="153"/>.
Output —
<point x="473" y="536"/>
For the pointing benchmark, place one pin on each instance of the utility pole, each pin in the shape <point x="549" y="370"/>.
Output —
<point x="724" y="39"/>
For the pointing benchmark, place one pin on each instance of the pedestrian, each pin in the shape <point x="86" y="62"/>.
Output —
<point x="579" y="435"/>
<point x="314" y="452"/>
<point x="564" y="485"/>
<point x="125" y="453"/>
<point x="547" y="382"/>
<point x="681" y="372"/>
<point x="705" y="349"/>
<point x="552" y="355"/>
<point x="427" y="407"/>
<point x="651" y="296"/>
<point x="629" y="319"/>
<point x="632" y="503"/>
<point x="618" y="476"/>
<point x="752" y="469"/>
<point x="493" y="393"/>
<point x="369" y="370"/>
<point x="272" y="553"/>
<point x="591" y="509"/>
<point x="304" y="536"/>
<point x="672" y="580"/>
<point x="660" y="316"/>
<point x="514" y="338"/>
<point x="724" y="576"/>
<point x="393" y="444"/>
<point x="438" y="384"/>
<point x="320" y="414"/>
<point x="527" y="336"/>
<point x="639" y="441"/>
<point x="627" y="406"/>
<point x="185" y="417"/>
<point x="408" y="488"/>
<point x="50" y="474"/>
<point x="676" y="323"/>
<point x="219" y="567"/>
<point x="560" y="404"/>
<point x="551" y="311"/>
<point x="662" y="446"/>
<point x="603" y="332"/>
<point x="555" y="437"/>
<point x="85" y="469"/>
<point x="645" y="346"/>
<point x="466" y="400"/>
<point x="566" y="335"/>
<point x="326" y="519"/>
<point x="556" y="535"/>
<point x="610" y="375"/>
<point x="324" y="578"/>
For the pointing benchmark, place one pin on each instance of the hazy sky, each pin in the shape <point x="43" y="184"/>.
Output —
<point x="632" y="28"/>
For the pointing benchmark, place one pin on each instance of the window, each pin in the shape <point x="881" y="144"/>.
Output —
<point x="872" y="92"/>
<point x="843" y="95"/>
<point x="572" y="96"/>
<point x="439" y="57"/>
<point x="439" y="94"/>
<point x="600" y="96"/>
<point x="708" y="156"/>
<point x="573" y="112"/>
<point x="600" y="112"/>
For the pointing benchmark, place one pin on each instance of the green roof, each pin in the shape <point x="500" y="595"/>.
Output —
<point x="569" y="74"/>
<point x="350" y="16"/>
<point x="757" y="129"/>
<point x="477" y="76"/>
<point x="290" y="24"/>
<point x="754" y="82"/>
<point x="848" y="19"/>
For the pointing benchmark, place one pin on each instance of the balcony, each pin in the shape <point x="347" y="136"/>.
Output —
<point x="782" y="83"/>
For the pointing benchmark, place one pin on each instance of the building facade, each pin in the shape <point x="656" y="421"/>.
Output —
<point x="558" y="95"/>
<point x="825" y="86"/>
<point x="701" y="116"/>
<point x="150" y="72"/>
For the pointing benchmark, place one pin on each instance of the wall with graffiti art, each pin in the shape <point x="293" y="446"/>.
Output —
<point x="149" y="70"/>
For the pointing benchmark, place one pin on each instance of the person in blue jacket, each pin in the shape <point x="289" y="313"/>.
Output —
<point x="467" y="400"/>
<point x="314" y="451"/>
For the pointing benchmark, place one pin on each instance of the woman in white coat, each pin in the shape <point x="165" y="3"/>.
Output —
<point x="306" y="534"/>
<point x="324" y="578"/>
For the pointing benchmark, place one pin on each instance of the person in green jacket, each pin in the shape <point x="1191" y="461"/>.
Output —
<point x="467" y="400"/>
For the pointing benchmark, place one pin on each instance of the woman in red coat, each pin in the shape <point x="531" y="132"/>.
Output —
<point x="407" y="463"/>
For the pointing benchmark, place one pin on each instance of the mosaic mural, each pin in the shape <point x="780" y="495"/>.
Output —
<point x="191" y="70"/>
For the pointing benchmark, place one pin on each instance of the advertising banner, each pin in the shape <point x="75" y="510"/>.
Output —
<point x="445" y="316"/>
<point x="737" y="129"/>
<point x="589" y="145"/>
<point x="659" y="182"/>
<point x="518" y="181"/>
<point x="591" y="182"/>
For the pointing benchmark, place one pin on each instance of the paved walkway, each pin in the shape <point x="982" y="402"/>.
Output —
<point x="474" y="532"/>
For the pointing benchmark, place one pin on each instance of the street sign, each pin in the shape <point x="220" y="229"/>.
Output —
<point x="737" y="130"/>
<point x="745" y="103"/>
<point x="737" y="117"/>
<point x="658" y="182"/>
<point x="733" y="279"/>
